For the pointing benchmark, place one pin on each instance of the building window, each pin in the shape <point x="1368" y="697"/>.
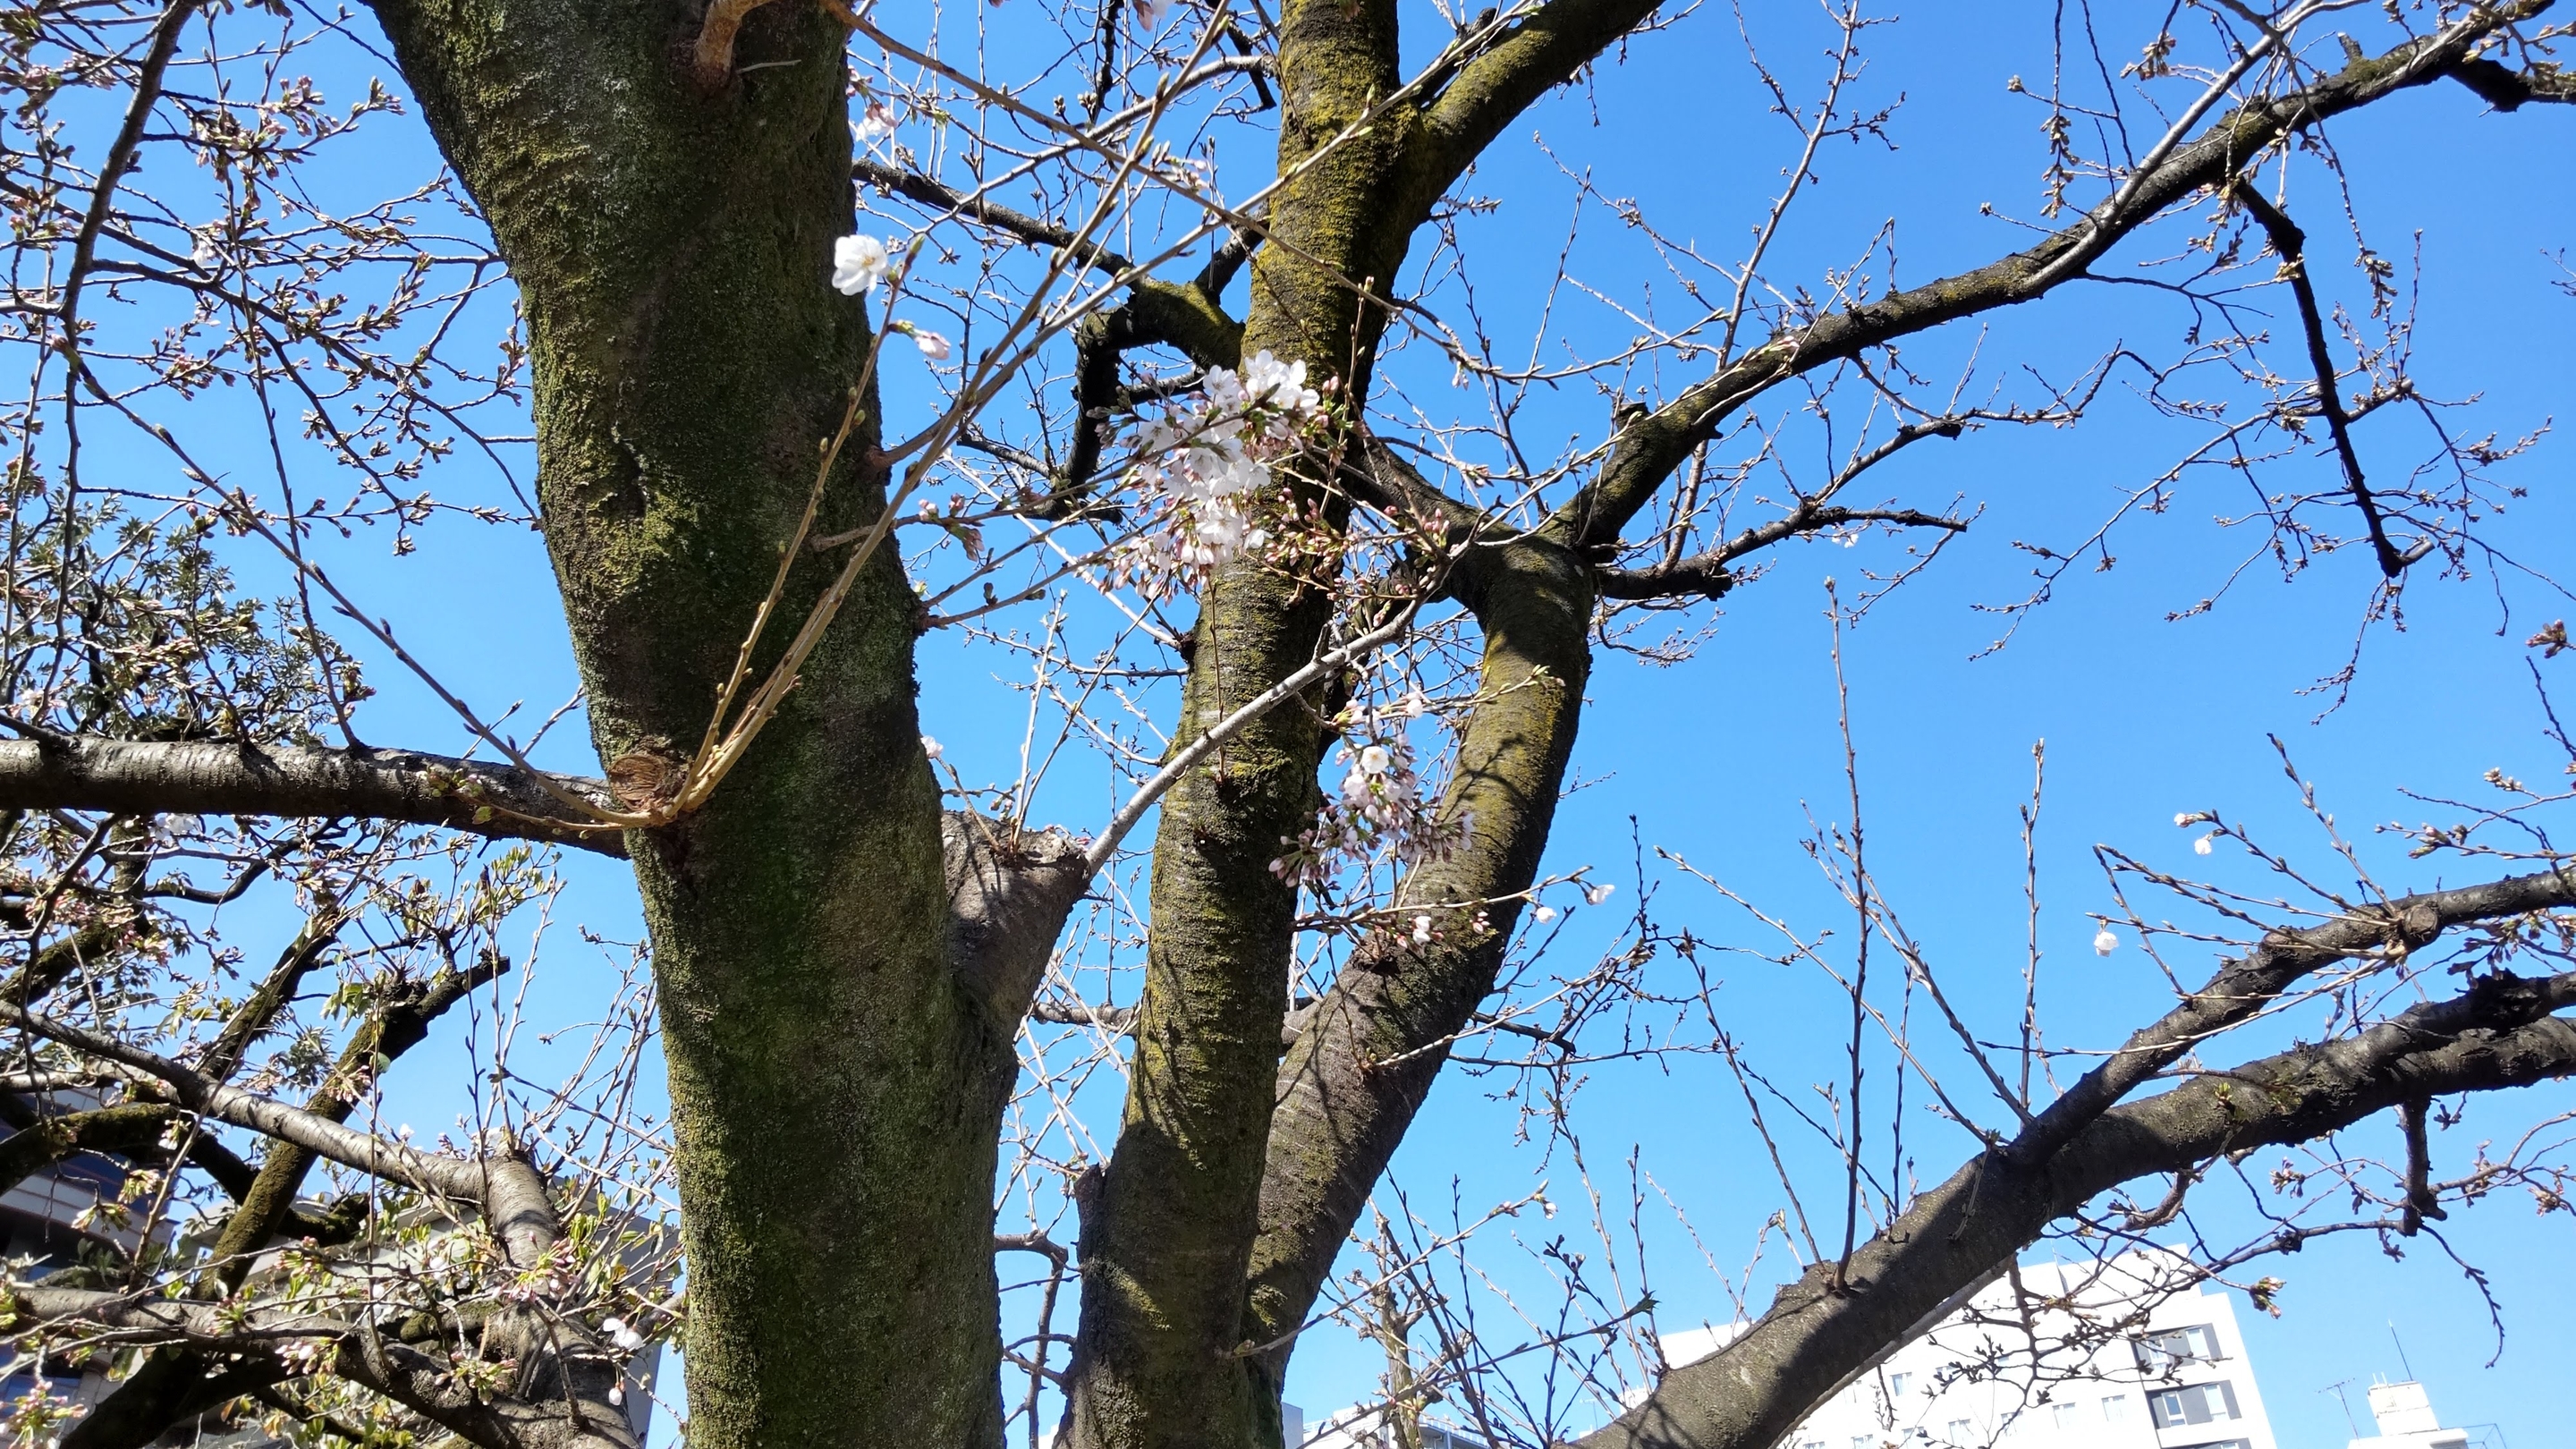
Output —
<point x="2115" y="1409"/>
<point x="1962" y="1432"/>
<point x="2161" y="1350"/>
<point x="1861" y="1441"/>
<point x="1896" y="1384"/>
<point x="2197" y="1404"/>
<point x="2069" y="1416"/>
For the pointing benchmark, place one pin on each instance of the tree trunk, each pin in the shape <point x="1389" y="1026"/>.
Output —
<point x="831" y="1076"/>
<point x="1167" y="1246"/>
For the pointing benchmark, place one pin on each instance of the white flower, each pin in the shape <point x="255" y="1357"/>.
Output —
<point x="1422" y="930"/>
<point x="2104" y="943"/>
<point x="930" y="747"/>
<point x="619" y="1333"/>
<point x="205" y="253"/>
<point x="1594" y="895"/>
<point x="858" y="263"/>
<point x="2201" y="846"/>
<point x="1268" y="381"/>
<point x="932" y="345"/>
<point x="1414" y="703"/>
<point x="1221" y="534"/>
<point x="2183" y="818"/>
<point x="1375" y="759"/>
<point x="1148" y="14"/>
<point x="1544" y="914"/>
<point x="874" y="124"/>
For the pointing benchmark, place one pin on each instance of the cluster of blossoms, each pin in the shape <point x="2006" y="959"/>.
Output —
<point x="1379" y="806"/>
<point x="1204" y="468"/>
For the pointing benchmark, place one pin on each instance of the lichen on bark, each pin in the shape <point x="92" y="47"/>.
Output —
<point x="829" y="1075"/>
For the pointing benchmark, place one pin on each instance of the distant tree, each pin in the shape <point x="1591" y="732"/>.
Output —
<point x="1325" y="629"/>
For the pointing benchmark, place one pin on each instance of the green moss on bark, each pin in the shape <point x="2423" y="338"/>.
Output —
<point x="1169" y="1242"/>
<point x="829" y="1077"/>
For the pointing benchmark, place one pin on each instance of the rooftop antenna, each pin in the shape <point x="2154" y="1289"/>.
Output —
<point x="2401" y="1351"/>
<point x="2336" y="1389"/>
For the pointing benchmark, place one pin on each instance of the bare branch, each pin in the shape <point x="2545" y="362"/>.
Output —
<point x="2291" y="244"/>
<point x="137" y="777"/>
<point x="913" y="186"/>
<point x="1706" y="574"/>
<point x="2498" y="1036"/>
<point x="1650" y="447"/>
<point x="2507" y="89"/>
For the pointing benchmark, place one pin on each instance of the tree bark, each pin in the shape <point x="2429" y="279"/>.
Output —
<point x="1368" y="1057"/>
<point x="830" y="1073"/>
<point x="1165" y="1249"/>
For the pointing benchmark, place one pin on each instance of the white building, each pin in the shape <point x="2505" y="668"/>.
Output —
<point x="2404" y="1414"/>
<point x="1361" y="1428"/>
<point x="2116" y="1355"/>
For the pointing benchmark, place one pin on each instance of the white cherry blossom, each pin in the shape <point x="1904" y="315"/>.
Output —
<point x="859" y="262"/>
<point x="1205" y="468"/>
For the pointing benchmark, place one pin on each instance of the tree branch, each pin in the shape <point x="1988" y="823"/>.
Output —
<point x="1174" y="314"/>
<point x="2291" y="244"/>
<point x="158" y="1394"/>
<point x="440" y="1176"/>
<point x="137" y="777"/>
<point x="1523" y="62"/>
<point x="1367" y="1054"/>
<point x="399" y="1372"/>
<point x="1036" y="231"/>
<point x="1650" y="447"/>
<point x="1814" y="1339"/>
<point x="2507" y="89"/>
<point x="1009" y="890"/>
<point x="2243" y="987"/>
<point x="129" y="1128"/>
<point x="1706" y="573"/>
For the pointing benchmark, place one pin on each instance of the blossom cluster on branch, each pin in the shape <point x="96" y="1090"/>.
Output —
<point x="1380" y="806"/>
<point x="1204" y="468"/>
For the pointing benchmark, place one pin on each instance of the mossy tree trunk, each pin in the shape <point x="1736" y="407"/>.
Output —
<point x="830" y="1075"/>
<point x="1167" y="1244"/>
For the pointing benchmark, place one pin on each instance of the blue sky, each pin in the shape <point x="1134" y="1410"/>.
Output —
<point x="1724" y="759"/>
